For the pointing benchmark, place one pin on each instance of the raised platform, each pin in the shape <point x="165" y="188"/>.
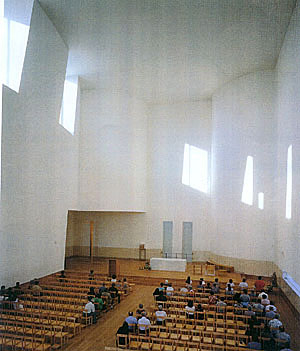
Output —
<point x="168" y="264"/>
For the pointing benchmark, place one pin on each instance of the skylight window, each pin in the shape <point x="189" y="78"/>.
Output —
<point x="195" y="168"/>
<point x="13" y="38"/>
<point x="68" y="108"/>
<point x="247" y="194"/>
<point x="289" y="180"/>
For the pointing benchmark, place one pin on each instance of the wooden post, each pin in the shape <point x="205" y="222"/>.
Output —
<point x="91" y="240"/>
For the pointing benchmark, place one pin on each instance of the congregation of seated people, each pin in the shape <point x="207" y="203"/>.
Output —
<point x="254" y="304"/>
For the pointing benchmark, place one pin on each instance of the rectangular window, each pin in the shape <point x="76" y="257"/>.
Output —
<point x="195" y="168"/>
<point x="68" y="107"/>
<point x="13" y="38"/>
<point x="289" y="185"/>
<point x="247" y="194"/>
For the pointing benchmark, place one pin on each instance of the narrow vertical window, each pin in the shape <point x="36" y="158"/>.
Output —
<point x="13" y="38"/>
<point x="247" y="194"/>
<point x="195" y="168"/>
<point x="261" y="201"/>
<point x="289" y="180"/>
<point x="68" y="107"/>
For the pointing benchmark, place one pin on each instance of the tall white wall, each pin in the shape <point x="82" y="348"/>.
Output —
<point x="244" y="124"/>
<point x="113" y="144"/>
<point x="288" y="109"/>
<point x="169" y="128"/>
<point x="39" y="161"/>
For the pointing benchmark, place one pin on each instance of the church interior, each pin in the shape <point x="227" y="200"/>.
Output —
<point x="155" y="141"/>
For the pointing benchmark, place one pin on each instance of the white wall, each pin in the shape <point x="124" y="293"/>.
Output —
<point x="113" y="144"/>
<point x="169" y="128"/>
<point x="288" y="105"/>
<point x="39" y="161"/>
<point x="244" y="124"/>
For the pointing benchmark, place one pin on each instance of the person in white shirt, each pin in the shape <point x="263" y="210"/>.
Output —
<point x="89" y="310"/>
<point x="143" y="323"/>
<point x="231" y="283"/>
<point x="190" y="309"/>
<point x="160" y="315"/>
<point x="170" y="290"/>
<point x="183" y="291"/>
<point x="243" y="285"/>
<point x="271" y="305"/>
<point x="263" y="293"/>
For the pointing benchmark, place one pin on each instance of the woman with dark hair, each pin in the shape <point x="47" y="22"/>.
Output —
<point x="190" y="309"/>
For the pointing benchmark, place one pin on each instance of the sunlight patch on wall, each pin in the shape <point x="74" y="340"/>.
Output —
<point x="261" y="200"/>
<point x="195" y="168"/>
<point x="289" y="185"/>
<point x="68" y="107"/>
<point x="247" y="194"/>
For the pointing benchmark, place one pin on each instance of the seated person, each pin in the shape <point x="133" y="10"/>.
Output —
<point x="258" y="305"/>
<point x="160" y="315"/>
<point x="140" y="311"/>
<point x="254" y="344"/>
<point x="217" y="282"/>
<point x="98" y="302"/>
<point x="184" y="291"/>
<point x="17" y="289"/>
<point x="123" y="330"/>
<point x="188" y="282"/>
<point x="265" y="301"/>
<point x="284" y="338"/>
<point x="3" y="294"/>
<point x="275" y="324"/>
<point x="249" y="311"/>
<point x="270" y="313"/>
<point x="114" y="292"/>
<point x="147" y="266"/>
<point x="119" y="284"/>
<point x="92" y="292"/>
<point x="201" y="285"/>
<point x="221" y="303"/>
<point x="36" y="289"/>
<point x="161" y="297"/>
<point x="62" y="277"/>
<point x="215" y="288"/>
<point x="271" y="305"/>
<point x="207" y="287"/>
<point x="212" y="299"/>
<point x="245" y="298"/>
<point x="169" y="290"/>
<point x="259" y="284"/>
<point x="107" y="299"/>
<point x="243" y="284"/>
<point x="125" y="286"/>
<point x="132" y="322"/>
<point x="89" y="310"/>
<point x="113" y="278"/>
<point x="102" y="289"/>
<point x="262" y="293"/>
<point x="229" y="290"/>
<point x="230" y="281"/>
<point x="91" y="275"/>
<point x="143" y="324"/>
<point x="199" y="308"/>
<point x="190" y="309"/>
<point x="161" y="287"/>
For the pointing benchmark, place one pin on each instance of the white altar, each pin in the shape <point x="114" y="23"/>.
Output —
<point x="168" y="264"/>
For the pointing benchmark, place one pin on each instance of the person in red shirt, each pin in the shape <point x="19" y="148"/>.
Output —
<point x="259" y="284"/>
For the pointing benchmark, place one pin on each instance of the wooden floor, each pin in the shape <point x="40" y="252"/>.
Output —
<point x="96" y="337"/>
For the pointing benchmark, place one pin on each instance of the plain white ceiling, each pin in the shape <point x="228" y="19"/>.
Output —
<point x="169" y="50"/>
